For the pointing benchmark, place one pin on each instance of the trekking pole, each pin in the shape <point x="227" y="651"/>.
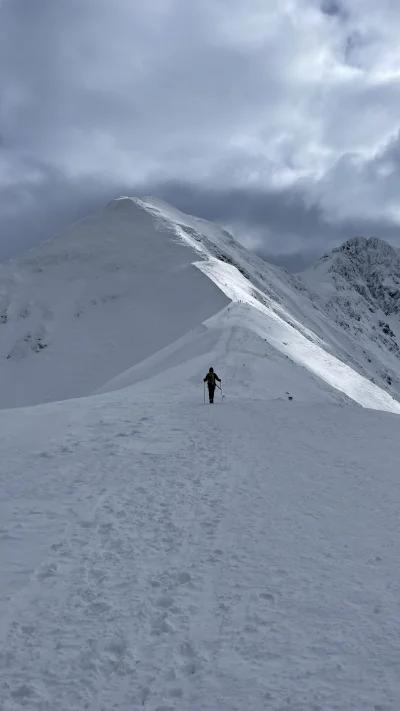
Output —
<point x="204" y="393"/>
<point x="220" y="388"/>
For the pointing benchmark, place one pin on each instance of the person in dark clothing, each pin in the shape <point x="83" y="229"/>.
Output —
<point x="211" y="379"/>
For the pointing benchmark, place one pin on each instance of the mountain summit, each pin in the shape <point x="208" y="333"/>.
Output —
<point x="370" y="266"/>
<point x="104" y="295"/>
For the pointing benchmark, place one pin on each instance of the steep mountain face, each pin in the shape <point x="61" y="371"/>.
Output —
<point x="358" y="286"/>
<point x="372" y="268"/>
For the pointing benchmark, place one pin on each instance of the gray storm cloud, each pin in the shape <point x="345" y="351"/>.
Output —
<point x="278" y="119"/>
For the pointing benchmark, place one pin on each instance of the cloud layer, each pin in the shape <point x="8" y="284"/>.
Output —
<point x="278" y="119"/>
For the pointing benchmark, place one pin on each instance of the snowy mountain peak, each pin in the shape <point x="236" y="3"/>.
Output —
<point x="372" y="250"/>
<point x="371" y="267"/>
<point x="362" y="251"/>
<point x="358" y="286"/>
<point x="119" y="203"/>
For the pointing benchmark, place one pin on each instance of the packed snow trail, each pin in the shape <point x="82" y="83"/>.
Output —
<point x="241" y="555"/>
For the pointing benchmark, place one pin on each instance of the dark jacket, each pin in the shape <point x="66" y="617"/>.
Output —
<point x="210" y="379"/>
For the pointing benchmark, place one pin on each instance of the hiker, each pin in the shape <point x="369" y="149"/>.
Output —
<point x="211" y="379"/>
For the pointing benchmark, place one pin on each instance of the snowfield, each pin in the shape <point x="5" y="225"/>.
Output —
<point x="161" y="554"/>
<point x="157" y="553"/>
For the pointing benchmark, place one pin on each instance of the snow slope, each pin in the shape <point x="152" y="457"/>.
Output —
<point x="85" y="306"/>
<point x="80" y="311"/>
<point x="160" y="554"/>
<point x="299" y="366"/>
<point x="275" y="303"/>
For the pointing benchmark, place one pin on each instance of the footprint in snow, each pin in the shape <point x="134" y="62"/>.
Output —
<point x="165" y="601"/>
<point x="22" y="693"/>
<point x="47" y="571"/>
<point x="184" y="578"/>
<point x="267" y="596"/>
<point x="162" y="626"/>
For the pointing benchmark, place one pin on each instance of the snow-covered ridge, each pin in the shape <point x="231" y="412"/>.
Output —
<point x="244" y="278"/>
<point x="83" y="309"/>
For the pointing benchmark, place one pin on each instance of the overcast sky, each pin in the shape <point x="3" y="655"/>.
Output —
<point x="278" y="118"/>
